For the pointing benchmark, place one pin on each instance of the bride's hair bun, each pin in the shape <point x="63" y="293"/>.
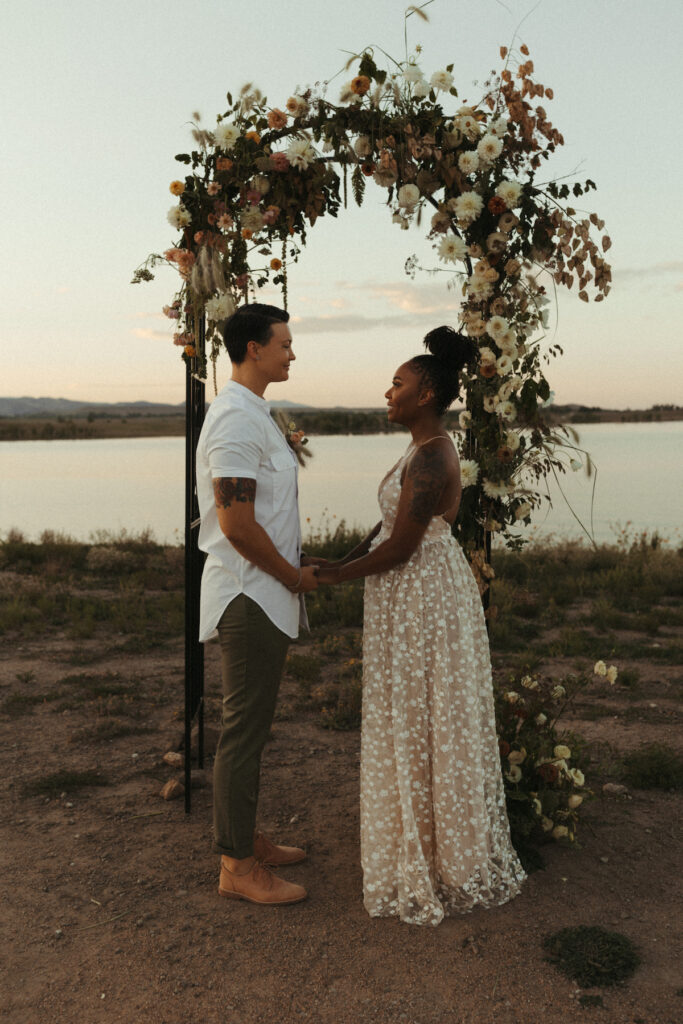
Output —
<point x="449" y="346"/>
<point x="450" y="352"/>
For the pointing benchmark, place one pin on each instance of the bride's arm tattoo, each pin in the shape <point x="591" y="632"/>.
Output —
<point x="229" y="489"/>
<point x="428" y="473"/>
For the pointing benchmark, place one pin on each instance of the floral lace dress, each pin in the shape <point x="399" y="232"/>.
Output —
<point x="435" y="838"/>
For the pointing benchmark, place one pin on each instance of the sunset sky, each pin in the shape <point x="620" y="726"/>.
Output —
<point x="96" y="101"/>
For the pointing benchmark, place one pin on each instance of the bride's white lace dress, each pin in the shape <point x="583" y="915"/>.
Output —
<point x="435" y="838"/>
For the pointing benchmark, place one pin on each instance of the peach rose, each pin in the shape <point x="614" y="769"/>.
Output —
<point x="277" y="119"/>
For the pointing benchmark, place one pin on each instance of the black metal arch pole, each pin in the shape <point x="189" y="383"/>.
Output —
<point x="194" y="561"/>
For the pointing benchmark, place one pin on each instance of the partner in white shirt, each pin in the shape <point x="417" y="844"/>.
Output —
<point x="251" y="587"/>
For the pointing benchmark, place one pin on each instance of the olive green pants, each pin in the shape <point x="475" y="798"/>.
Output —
<point x="253" y="652"/>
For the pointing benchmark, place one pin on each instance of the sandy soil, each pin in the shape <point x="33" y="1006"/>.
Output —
<point x="110" y="910"/>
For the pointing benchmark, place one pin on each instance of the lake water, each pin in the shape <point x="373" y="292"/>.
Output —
<point x="80" y="487"/>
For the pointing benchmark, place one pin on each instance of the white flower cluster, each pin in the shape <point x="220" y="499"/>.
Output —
<point x="178" y="216"/>
<point x="301" y="153"/>
<point x="226" y="135"/>
<point x="220" y="307"/>
<point x="610" y="674"/>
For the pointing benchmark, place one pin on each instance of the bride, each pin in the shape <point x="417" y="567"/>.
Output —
<point x="435" y="838"/>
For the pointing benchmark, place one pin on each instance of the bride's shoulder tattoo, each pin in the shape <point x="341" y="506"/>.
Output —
<point x="427" y="476"/>
<point x="229" y="489"/>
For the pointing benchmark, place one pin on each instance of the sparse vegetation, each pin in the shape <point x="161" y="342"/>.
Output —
<point x="592" y="956"/>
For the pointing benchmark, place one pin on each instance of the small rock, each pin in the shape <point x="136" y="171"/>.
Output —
<point x="614" y="789"/>
<point x="172" y="790"/>
<point x="605" y="860"/>
<point x="59" y="933"/>
<point x="134" y="757"/>
<point x="173" y="758"/>
<point x="293" y="820"/>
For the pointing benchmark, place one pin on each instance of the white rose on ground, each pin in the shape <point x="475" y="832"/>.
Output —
<point x="300" y="153"/>
<point x="560" y="832"/>
<point x="575" y="800"/>
<point x="600" y="668"/>
<point x="541" y="719"/>
<point x="226" y="135"/>
<point x="509" y="192"/>
<point x="468" y="162"/>
<point x="517" y="756"/>
<point x="562" y="751"/>
<point x="489" y="148"/>
<point x="558" y="691"/>
<point x="611" y="674"/>
<point x="514" y="774"/>
<point x="408" y="196"/>
<point x="441" y="81"/>
<point x="178" y="217"/>
<point x="469" y="471"/>
<point x="577" y="776"/>
<point x="220" y="307"/>
<point x="451" y="248"/>
<point x="465" y="419"/>
<point x="512" y="697"/>
<point x="529" y="683"/>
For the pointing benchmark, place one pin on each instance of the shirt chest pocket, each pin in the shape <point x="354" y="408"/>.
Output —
<point x="283" y="475"/>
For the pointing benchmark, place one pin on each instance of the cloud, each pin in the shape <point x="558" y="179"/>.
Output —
<point x="351" y="322"/>
<point x="672" y="267"/>
<point x="148" y="332"/>
<point x="413" y="298"/>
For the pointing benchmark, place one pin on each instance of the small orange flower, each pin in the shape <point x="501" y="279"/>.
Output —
<point x="224" y="163"/>
<point x="275" y="263"/>
<point x="176" y="188"/>
<point x="254" y="136"/>
<point x="488" y="370"/>
<point x="190" y="351"/>
<point x="496" y="205"/>
<point x="360" y="85"/>
<point x="368" y="169"/>
<point x="247" y="234"/>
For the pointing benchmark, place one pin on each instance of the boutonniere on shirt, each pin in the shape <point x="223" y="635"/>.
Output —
<point x="296" y="439"/>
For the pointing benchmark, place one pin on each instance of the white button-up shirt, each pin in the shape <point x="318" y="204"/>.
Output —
<point x="240" y="439"/>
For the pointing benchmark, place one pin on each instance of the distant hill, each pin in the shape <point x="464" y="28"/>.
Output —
<point x="39" y="407"/>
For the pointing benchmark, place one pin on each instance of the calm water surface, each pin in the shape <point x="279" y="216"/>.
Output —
<point x="81" y="487"/>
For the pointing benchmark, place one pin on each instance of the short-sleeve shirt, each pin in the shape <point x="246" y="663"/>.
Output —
<point x="239" y="438"/>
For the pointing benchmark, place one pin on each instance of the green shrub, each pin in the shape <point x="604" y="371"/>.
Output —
<point x="654" y="766"/>
<point x="592" y="956"/>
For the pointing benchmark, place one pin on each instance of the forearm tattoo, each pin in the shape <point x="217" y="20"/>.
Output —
<point x="427" y="476"/>
<point x="229" y="489"/>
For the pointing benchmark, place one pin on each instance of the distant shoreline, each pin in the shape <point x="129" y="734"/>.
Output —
<point x="314" y="422"/>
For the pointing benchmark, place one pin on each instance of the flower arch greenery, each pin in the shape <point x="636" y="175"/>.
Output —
<point x="259" y="180"/>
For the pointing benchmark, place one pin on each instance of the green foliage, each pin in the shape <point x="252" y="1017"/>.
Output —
<point x="592" y="956"/>
<point x="358" y="185"/>
<point x="654" y="766"/>
<point x="303" y="667"/>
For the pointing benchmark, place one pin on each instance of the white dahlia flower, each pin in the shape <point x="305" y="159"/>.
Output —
<point x="468" y="206"/>
<point x="497" y="326"/>
<point x="226" y="135"/>
<point x="503" y="366"/>
<point x="469" y="471"/>
<point x="465" y="419"/>
<point x="452" y="248"/>
<point x="300" y="153"/>
<point x="509" y="192"/>
<point x="178" y="217"/>
<point x="494" y="490"/>
<point x="412" y="73"/>
<point x="507" y="410"/>
<point x="441" y="81"/>
<point x="489" y="148"/>
<point x="220" y="307"/>
<point x="468" y="162"/>
<point x="498" y="127"/>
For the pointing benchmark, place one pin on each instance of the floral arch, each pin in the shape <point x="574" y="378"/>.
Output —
<point x="258" y="182"/>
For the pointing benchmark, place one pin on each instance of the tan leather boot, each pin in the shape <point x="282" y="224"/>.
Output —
<point x="258" y="885"/>
<point x="274" y="856"/>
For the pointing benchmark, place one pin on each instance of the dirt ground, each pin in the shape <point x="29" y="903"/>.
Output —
<point x="110" y="910"/>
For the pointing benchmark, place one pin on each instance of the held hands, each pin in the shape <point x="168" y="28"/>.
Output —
<point x="310" y="560"/>
<point x="308" y="580"/>
<point x="328" y="574"/>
